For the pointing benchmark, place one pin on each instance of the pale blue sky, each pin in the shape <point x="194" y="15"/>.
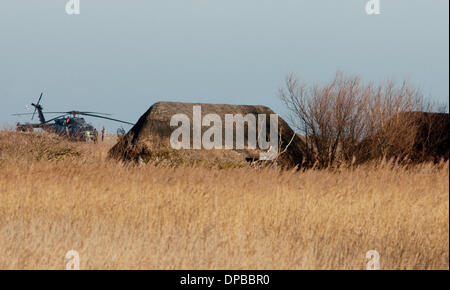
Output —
<point x="122" y="56"/>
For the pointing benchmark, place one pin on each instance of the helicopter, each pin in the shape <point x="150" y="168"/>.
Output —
<point x="69" y="124"/>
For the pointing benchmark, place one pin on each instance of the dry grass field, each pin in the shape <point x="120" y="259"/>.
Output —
<point x="57" y="196"/>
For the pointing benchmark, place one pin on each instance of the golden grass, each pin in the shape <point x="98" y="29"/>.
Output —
<point x="146" y="217"/>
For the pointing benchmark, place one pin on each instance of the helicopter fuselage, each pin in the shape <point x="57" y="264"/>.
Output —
<point x="72" y="127"/>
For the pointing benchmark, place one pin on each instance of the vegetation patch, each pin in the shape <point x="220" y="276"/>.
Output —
<point x="36" y="146"/>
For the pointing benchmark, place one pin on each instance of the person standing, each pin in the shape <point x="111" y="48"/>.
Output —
<point x="103" y="133"/>
<point x="95" y="136"/>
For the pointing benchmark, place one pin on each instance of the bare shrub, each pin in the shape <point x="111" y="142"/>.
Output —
<point x="347" y="120"/>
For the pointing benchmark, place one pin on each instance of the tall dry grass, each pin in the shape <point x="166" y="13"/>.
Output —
<point x="146" y="217"/>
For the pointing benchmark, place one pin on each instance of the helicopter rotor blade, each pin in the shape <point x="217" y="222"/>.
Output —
<point x="120" y="121"/>
<point x="76" y="113"/>
<point x="40" y="97"/>
<point x="97" y="113"/>
<point x="48" y="121"/>
<point x="54" y="112"/>
<point x="68" y="113"/>
<point x="35" y="107"/>
<point x="81" y="113"/>
<point x="22" y="114"/>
